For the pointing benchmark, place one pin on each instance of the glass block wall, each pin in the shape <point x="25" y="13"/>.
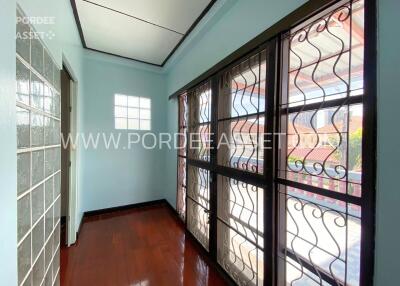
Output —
<point x="38" y="160"/>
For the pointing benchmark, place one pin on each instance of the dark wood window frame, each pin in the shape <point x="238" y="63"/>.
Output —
<point x="271" y="40"/>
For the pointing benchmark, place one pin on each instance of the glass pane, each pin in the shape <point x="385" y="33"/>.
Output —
<point x="121" y="111"/>
<point x="145" y="114"/>
<point x="198" y="193"/>
<point x="181" y="196"/>
<point x="145" y="125"/>
<point x="121" y="123"/>
<point x="48" y="99"/>
<point x="326" y="57"/>
<point x="133" y="124"/>
<point x="23" y="39"/>
<point x="23" y="79"/>
<point x="145" y="102"/>
<point x="23" y="172"/>
<point x="23" y="133"/>
<point x="133" y="113"/>
<point x="37" y="167"/>
<point x="199" y="129"/>
<point x="37" y="90"/>
<point x="24" y="216"/>
<point x="37" y="203"/>
<point x="241" y="143"/>
<point x="37" y="129"/>
<point x="243" y="88"/>
<point x="37" y="238"/>
<point x="133" y="101"/>
<point x="324" y="232"/>
<point x="121" y="100"/>
<point x="24" y="258"/>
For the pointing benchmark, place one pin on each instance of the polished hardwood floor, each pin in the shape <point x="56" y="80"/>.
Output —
<point x="143" y="246"/>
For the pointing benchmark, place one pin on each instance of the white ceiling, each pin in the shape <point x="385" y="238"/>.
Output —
<point x="144" y="30"/>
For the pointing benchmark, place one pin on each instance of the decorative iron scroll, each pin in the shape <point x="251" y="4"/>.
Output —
<point x="198" y="193"/>
<point x="241" y="117"/>
<point x="240" y="230"/>
<point x="199" y="102"/>
<point x="181" y="191"/>
<point x="321" y="114"/>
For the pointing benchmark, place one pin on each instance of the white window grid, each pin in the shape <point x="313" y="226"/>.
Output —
<point x="132" y="112"/>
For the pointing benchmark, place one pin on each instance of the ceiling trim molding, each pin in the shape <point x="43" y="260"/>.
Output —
<point x="79" y="26"/>
<point x="205" y="11"/>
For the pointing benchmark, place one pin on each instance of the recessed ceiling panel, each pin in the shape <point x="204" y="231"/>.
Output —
<point x="177" y="15"/>
<point x="144" y="30"/>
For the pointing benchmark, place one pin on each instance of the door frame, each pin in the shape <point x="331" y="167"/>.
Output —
<point x="73" y="173"/>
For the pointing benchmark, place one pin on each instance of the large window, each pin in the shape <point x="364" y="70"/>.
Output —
<point x="280" y="165"/>
<point x="132" y="112"/>
<point x="320" y="166"/>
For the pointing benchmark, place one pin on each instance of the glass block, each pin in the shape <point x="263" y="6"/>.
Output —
<point x="48" y="222"/>
<point x="56" y="133"/>
<point x="37" y="130"/>
<point x="37" y="167"/>
<point x="56" y="237"/>
<point x="49" y="277"/>
<point x="56" y="105"/>
<point x="24" y="258"/>
<point x="57" y="280"/>
<point x="57" y="79"/>
<point x="57" y="159"/>
<point x="57" y="184"/>
<point x="57" y="210"/>
<point x="48" y="126"/>
<point x="23" y="134"/>
<point x="23" y="38"/>
<point x="23" y="172"/>
<point x="37" y="238"/>
<point x="23" y="79"/>
<point x="24" y="216"/>
<point x="37" y="92"/>
<point x="28" y="281"/>
<point x="37" y="55"/>
<point x="56" y="261"/>
<point x="49" y="161"/>
<point x="37" y="203"/>
<point x="48" y="186"/>
<point x="48" y="252"/>
<point x="48" y="67"/>
<point x="38" y="270"/>
<point x="48" y="98"/>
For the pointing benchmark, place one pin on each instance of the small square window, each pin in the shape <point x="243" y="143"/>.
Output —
<point x="132" y="112"/>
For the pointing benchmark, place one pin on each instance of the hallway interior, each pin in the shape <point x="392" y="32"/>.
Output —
<point x="125" y="247"/>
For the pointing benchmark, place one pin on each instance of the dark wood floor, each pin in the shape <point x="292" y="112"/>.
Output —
<point x="145" y="246"/>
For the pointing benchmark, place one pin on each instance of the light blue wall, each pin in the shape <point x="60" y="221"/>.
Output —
<point x="8" y="146"/>
<point x="119" y="177"/>
<point x="235" y="23"/>
<point x="171" y="155"/>
<point x="388" y="190"/>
